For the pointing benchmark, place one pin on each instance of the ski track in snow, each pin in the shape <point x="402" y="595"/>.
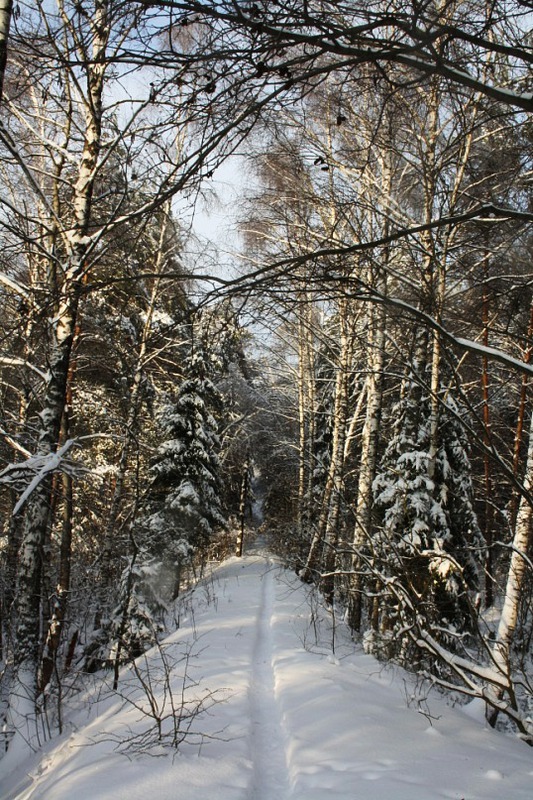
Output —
<point x="294" y="720"/>
<point x="268" y="739"/>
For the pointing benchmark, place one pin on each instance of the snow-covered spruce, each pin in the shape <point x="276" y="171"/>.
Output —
<point x="184" y="507"/>
<point x="428" y="539"/>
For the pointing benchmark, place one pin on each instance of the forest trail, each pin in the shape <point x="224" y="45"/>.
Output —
<point x="268" y="737"/>
<point x="299" y="713"/>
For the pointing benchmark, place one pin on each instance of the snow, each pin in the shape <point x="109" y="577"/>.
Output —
<point x="299" y="712"/>
<point x="42" y="465"/>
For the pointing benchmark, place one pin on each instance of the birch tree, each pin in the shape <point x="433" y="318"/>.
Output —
<point x="514" y="590"/>
<point x="6" y="9"/>
<point x="67" y="289"/>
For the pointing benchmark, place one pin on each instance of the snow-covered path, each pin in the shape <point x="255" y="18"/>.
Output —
<point x="300" y="715"/>
<point x="267" y="736"/>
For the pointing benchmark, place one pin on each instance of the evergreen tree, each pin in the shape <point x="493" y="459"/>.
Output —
<point x="138" y="617"/>
<point x="429" y="539"/>
<point x="185" y="505"/>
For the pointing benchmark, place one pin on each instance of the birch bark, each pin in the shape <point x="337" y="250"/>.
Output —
<point x="326" y="533"/>
<point x="62" y="328"/>
<point x="514" y="590"/>
<point x="306" y="416"/>
<point x="6" y="9"/>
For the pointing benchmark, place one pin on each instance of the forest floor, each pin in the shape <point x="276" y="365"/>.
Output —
<point x="297" y="712"/>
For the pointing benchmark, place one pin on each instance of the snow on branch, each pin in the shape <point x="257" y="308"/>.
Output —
<point x="21" y="362"/>
<point x="467" y="345"/>
<point x="40" y="466"/>
<point x="15" y="286"/>
<point x="14" y="444"/>
<point x="462" y="666"/>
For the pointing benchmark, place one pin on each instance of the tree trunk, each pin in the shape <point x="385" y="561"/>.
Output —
<point x="377" y="320"/>
<point x="6" y="8"/>
<point x="369" y="454"/>
<point x="325" y="536"/>
<point x="519" y="431"/>
<point x="306" y="419"/>
<point x="35" y="524"/>
<point x="58" y="601"/>
<point x="243" y="502"/>
<point x="489" y="566"/>
<point x="66" y="290"/>
<point x="516" y="577"/>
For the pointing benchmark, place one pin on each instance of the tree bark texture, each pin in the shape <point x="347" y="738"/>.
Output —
<point x="514" y="589"/>
<point x="6" y="9"/>
<point x="62" y="329"/>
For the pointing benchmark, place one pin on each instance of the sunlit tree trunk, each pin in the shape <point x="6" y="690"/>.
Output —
<point x="522" y="405"/>
<point x="514" y="590"/>
<point x="376" y="315"/>
<point x="369" y="454"/>
<point x="306" y="417"/>
<point x="322" y="550"/>
<point x="61" y="333"/>
<point x="6" y="9"/>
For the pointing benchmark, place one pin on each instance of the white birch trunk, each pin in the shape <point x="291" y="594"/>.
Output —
<point x="369" y="452"/>
<point x="516" y="577"/>
<point x="303" y="438"/>
<point x="377" y="320"/>
<point x="6" y="8"/>
<point x="327" y="526"/>
<point x="62" y="331"/>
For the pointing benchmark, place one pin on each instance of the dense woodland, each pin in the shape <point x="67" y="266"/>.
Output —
<point x="360" y="370"/>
